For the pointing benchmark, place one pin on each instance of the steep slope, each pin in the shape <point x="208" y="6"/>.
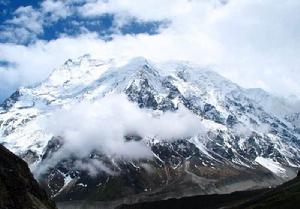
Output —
<point x="245" y="144"/>
<point x="18" y="188"/>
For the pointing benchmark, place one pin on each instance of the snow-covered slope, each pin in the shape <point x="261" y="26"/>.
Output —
<point x="245" y="136"/>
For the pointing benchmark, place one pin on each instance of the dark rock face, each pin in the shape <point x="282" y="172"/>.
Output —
<point x="18" y="188"/>
<point x="8" y="103"/>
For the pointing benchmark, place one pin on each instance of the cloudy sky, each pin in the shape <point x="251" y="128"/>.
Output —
<point x="255" y="43"/>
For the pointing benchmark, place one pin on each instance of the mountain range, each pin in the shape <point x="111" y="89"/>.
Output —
<point x="134" y="130"/>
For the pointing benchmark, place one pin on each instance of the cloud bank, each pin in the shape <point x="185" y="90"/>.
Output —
<point x="103" y="125"/>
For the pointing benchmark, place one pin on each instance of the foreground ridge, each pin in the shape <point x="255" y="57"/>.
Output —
<point x="18" y="188"/>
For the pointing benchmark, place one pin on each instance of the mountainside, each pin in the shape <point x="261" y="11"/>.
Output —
<point x="242" y="144"/>
<point x="285" y="196"/>
<point x="18" y="188"/>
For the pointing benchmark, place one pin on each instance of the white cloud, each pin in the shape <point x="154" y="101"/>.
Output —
<point x="102" y="125"/>
<point x="28" y="18"/>
<point x="55" y="9"/>
<point x="25" y="25"/>
<point x="260" y="43"/>
<point x="93" y="167"/>
<point x="247" y="131"/>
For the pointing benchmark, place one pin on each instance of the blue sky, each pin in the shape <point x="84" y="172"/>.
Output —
<point x="71" y="24"/>
<point x="251" y="42"/>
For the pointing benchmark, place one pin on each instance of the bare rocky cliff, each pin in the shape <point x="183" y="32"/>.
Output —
<point x="18" y="188"/>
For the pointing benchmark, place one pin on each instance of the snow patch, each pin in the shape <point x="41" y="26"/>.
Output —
<point x="200" y="146"/>
<point x="271" y="165"/>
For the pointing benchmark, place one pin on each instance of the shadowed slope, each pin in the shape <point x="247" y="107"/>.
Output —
<point x="18" y="188"/>
<point x="285" y="196"/>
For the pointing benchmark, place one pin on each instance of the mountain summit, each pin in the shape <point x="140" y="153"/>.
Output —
<point x="242" y="143"/>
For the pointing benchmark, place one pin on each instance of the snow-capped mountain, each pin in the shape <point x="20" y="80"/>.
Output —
<point x="247" y="142"/>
